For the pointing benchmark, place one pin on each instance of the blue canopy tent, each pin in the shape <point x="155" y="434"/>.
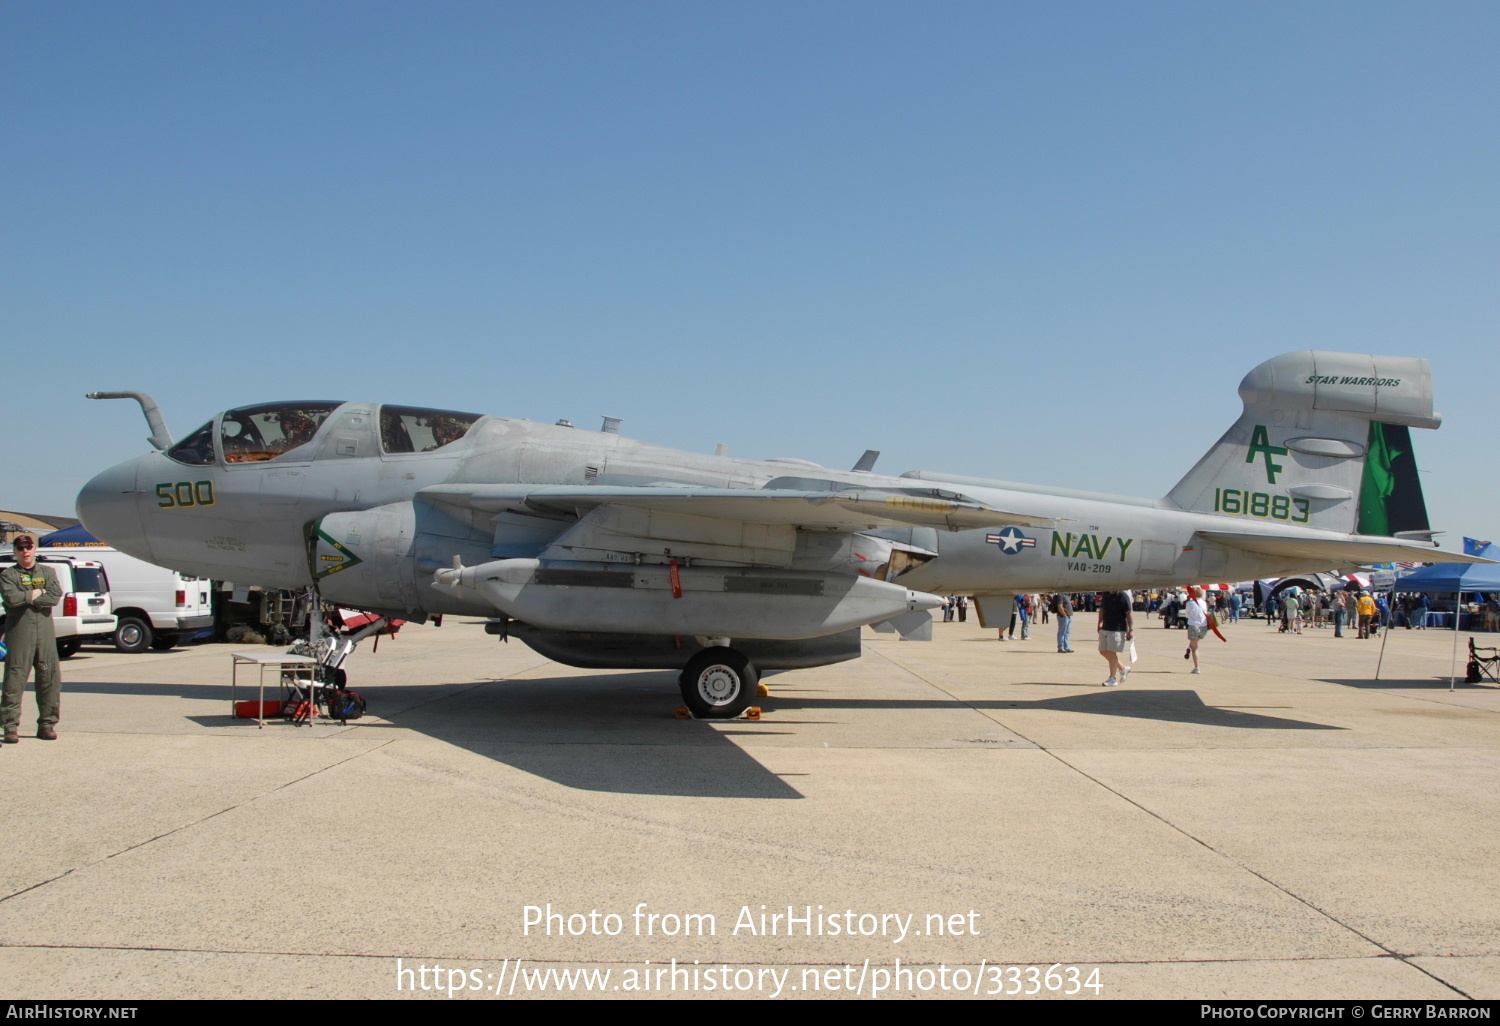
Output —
<point x="1451" y="578"/>
<point x="69" y="536"/>
<point x="1457" y="579"/>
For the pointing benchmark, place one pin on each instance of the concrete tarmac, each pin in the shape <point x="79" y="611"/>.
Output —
<point x="1280" y="826"/>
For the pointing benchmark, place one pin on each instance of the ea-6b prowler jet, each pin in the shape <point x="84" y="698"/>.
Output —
<point x="600" y="551"/>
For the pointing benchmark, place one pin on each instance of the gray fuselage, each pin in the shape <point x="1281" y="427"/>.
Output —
<point x="249" y="522"/>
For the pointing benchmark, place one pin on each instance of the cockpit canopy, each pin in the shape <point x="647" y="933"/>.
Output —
<point x="411" y="429"/>
<point x="254" y="434"/>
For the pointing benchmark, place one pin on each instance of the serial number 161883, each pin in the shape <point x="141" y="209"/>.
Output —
<point x="1259" y="504"/>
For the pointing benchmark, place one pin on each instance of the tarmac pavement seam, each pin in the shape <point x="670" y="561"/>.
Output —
<point x="1258" y="874"/>
<point x="1181" y="830"/>
<point x="186" y="826"/>
<point x="968" y="705"/>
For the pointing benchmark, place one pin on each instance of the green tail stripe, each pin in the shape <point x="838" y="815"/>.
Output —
<point x="1390" y="496"/>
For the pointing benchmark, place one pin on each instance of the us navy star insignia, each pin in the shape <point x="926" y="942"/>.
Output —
<point x="1011" y="541"/>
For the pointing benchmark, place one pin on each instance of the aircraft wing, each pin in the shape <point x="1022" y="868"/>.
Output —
<point x="1336" y="549"/>
<point x="847" y="510"/>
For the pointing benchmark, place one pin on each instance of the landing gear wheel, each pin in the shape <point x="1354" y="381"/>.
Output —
<point x="718" y="683"/>
<point x="67" y="648"/>
<point x="133" y="635"/>
<point x="164" y="644"/>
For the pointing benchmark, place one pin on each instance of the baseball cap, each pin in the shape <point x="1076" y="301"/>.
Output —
<point x="24" y="541"/>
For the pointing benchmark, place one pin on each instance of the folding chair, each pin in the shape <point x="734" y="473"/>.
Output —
<point x="1483" y="662"/>
<point x="303" y="696"/>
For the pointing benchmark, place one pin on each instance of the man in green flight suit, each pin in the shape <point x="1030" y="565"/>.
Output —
<point x="30" y="590"/>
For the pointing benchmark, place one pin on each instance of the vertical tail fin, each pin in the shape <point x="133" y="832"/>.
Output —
<point x="1323" y="440"/>
<point x="1390" y="496"/>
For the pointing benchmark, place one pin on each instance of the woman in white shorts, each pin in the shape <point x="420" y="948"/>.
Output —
<point x="1197" y="625"/>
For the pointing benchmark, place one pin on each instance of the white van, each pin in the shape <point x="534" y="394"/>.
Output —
<point x="156" y="607"/>
<point x="84" y="611"/>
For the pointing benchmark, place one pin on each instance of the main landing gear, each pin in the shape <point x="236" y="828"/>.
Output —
<point x="718" y="683"/>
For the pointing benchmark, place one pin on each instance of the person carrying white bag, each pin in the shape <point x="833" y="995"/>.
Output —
<point x="1116" y="634"/>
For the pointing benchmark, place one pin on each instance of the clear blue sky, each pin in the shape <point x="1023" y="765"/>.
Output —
<point x="1037" y="241"/>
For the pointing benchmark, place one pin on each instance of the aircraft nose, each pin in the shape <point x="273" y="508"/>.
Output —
<point x="108" y="506"/>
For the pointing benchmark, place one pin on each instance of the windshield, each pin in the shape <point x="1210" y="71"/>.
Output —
<point x="252" y="434"/>
<point x="197" y="449"/>
<point x="411" y="429"/>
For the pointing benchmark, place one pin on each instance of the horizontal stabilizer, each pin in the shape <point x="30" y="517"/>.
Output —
<point x="1329" y="549"/>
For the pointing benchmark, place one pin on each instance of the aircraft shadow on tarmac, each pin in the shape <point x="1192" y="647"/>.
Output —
<point x="1167" y="706"/>
<point x="618" y="732"/>
<point x="1417" y="684"/>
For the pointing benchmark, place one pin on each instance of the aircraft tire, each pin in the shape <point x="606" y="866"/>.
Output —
<point x="133" y="635"/>
<point x="718" y="683"/>
<point x="67" y="648"/>
<point x="164" y="643"/>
